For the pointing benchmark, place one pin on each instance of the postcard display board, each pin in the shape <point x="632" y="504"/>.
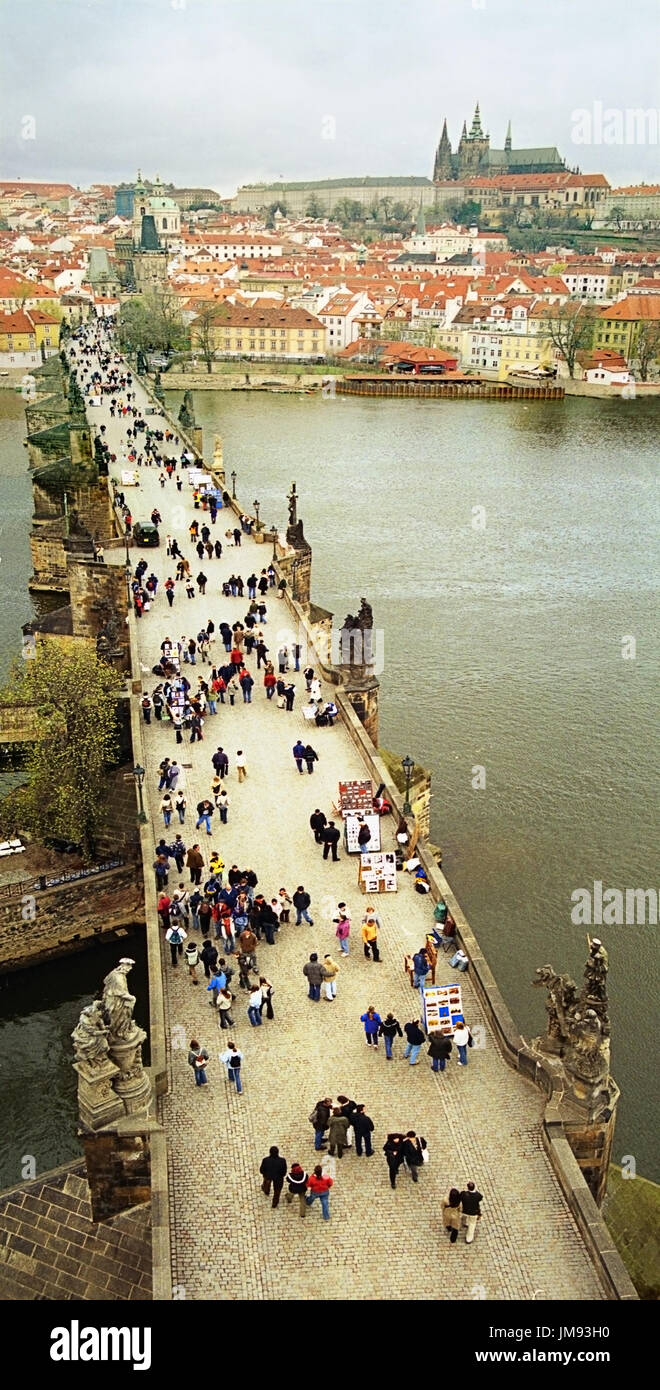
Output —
<point x="356" y="798"/>
<point x="443" y="1008"/>
<point x="377" y="873"/>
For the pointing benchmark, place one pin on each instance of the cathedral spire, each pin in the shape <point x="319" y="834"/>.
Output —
<point x="442" y="165"/>
<point x="507" y="142"/>
<point x="476" y="131"/>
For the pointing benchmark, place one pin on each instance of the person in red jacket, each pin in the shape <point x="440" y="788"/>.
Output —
<point x="319" y="1186"/>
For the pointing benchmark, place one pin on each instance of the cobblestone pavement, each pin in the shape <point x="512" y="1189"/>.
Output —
<point x="481" y="1122"/>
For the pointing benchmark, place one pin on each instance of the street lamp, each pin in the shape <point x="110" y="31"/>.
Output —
<point x="139" y="773"/>
<point x="233" y="483"/>
<point x="256" y="506"/>
<point x="408" y="767"/>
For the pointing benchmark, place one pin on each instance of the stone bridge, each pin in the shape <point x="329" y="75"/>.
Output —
<point x="541" y="1236"/>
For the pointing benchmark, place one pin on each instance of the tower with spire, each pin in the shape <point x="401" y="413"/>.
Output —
<point x="442" y="167"/>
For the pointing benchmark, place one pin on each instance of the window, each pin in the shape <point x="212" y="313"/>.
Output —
<point x="164" y="224"/>
<point x="239" y="342"/>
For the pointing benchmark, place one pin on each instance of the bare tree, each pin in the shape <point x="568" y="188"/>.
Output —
<point x="202" y="333"/>
<point x="647" y="347"/>
<point x="570" y="331"/>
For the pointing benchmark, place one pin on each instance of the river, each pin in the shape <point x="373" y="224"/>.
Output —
<point x="503" y="651"/>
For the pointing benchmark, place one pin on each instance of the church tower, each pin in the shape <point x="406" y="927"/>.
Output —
<point x="442" y="168"/>
<point x="474" y="148"/>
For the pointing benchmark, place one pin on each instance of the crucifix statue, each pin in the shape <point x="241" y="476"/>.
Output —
<point x="293" y="502"/>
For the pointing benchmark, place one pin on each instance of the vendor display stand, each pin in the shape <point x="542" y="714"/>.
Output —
<point x="377" y="873"/>
<point x="443" y="1008"/>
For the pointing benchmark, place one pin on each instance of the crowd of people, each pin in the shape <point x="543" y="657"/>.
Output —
<point x="214" y="923"/>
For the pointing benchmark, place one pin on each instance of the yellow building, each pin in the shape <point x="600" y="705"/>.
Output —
<point x="23" y="335"/>
<point x="261" y="331"/>
<point x="618" y="326"/>
<point x="525" y="350"/>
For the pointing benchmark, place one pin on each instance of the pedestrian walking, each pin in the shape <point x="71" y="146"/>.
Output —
<point x="320" y="1119"/>
<point x="414" y="1149"/>
<point x="348" y="1108"/>
<point x="343" y="928"/>
<point x="285" y="905"/>
<point x="451" y="1214"/>
<point x="297" y="1180"/>
<point x="370" y="925"/>
<point x="225" y="1001"/>
<point x="195" y="862"/>
<point x="317" y="822"/>
<point x="439" y="1050"/>
<point x="330" y="839"/>
<point x="220" y="762"/>
<point x="330" y="973"/>
<point x="302" y="903"/>
<point x="202" y="582"/>
<point x="222" y="803"/>
<point x="318" y="1185"/>
<point x="267" y="991"/>
<point x="363" y="1128"/>
<point x="463" y="1040"/>
<point x="313" y="972"/>
<point x="209" y="957"/>
<point x="175" y="937"/>
<point x="337" y="1131"/>
<point x="393" y="1150"/>
<point x="241" y="768"/>
<point x="180" y="808"/>
<point x="273" y="1171"/>
<point x="471" y="1206"/>
<point x="197" y="1058"/>
<point x="390" y="1029"/>
<point x="233" y="1059"/>
<point x="372" y="1022"/>
<point x="254" y="1007"/>
<point x="311" y="757"/>
<point x="414" y="1040"/>
<point x="166" y="807"/>
<point x="192" y="960"/>
<point x="147" y="706"/>
<point x="204" y="812"/>
<point x="299" y="752"/>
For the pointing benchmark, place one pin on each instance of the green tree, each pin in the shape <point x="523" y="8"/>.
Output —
<point x="314" y="207"/>
<point x="74" y="696"/>
<point x="153" y="321"/>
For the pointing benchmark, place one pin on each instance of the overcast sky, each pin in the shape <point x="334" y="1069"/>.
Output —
<point x="223" y="92"/>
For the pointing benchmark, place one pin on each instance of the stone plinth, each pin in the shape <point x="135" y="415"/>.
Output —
<point x="118" y="1164"/>
<point x="98" y="1104"/>
<point x="131" y="1084"/>
<point x="363" y="695"/>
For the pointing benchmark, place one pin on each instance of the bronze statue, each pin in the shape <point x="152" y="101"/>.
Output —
<point x="293" y="503"/>
<point x="578" y="1024"/>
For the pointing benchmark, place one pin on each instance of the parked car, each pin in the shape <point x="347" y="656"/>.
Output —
<point x="145" y="533"/>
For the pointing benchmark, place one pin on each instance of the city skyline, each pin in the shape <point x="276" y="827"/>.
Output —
<point x="230" y="93"/>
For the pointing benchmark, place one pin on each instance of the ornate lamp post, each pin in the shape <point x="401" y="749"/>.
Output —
<point x="139" y="774"/>
<point x="256" y="506"/>
<point x="233" y="483"/>
<point x="408" y="768"/>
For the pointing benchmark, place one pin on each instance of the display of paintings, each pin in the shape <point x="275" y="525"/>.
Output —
<point x="356" y="796"/>
<point x="377" y="873"/>
<point x="443" y="1008"/>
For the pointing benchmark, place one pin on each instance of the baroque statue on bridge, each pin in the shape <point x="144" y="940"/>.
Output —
<point x="578" y="1023"/>
<point x="119" y="1002"/>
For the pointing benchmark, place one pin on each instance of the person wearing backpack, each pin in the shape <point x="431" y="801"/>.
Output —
<point x="232" y="1059"/>
<point x="147" y="706"/>
<point x="320" y="1119"/>
<point x="175" y="936"/>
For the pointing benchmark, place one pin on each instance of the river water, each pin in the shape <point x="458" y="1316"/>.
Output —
<point x="503" y="651"/>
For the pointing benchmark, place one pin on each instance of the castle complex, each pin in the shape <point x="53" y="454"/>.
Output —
<point x="451" y="169"/>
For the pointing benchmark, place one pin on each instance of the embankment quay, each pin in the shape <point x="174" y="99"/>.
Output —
<point x="541" y="1236"/>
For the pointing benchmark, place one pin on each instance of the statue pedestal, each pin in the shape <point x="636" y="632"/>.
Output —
<point x="98" y="1103"/>
<point x="131" y="1083"/>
